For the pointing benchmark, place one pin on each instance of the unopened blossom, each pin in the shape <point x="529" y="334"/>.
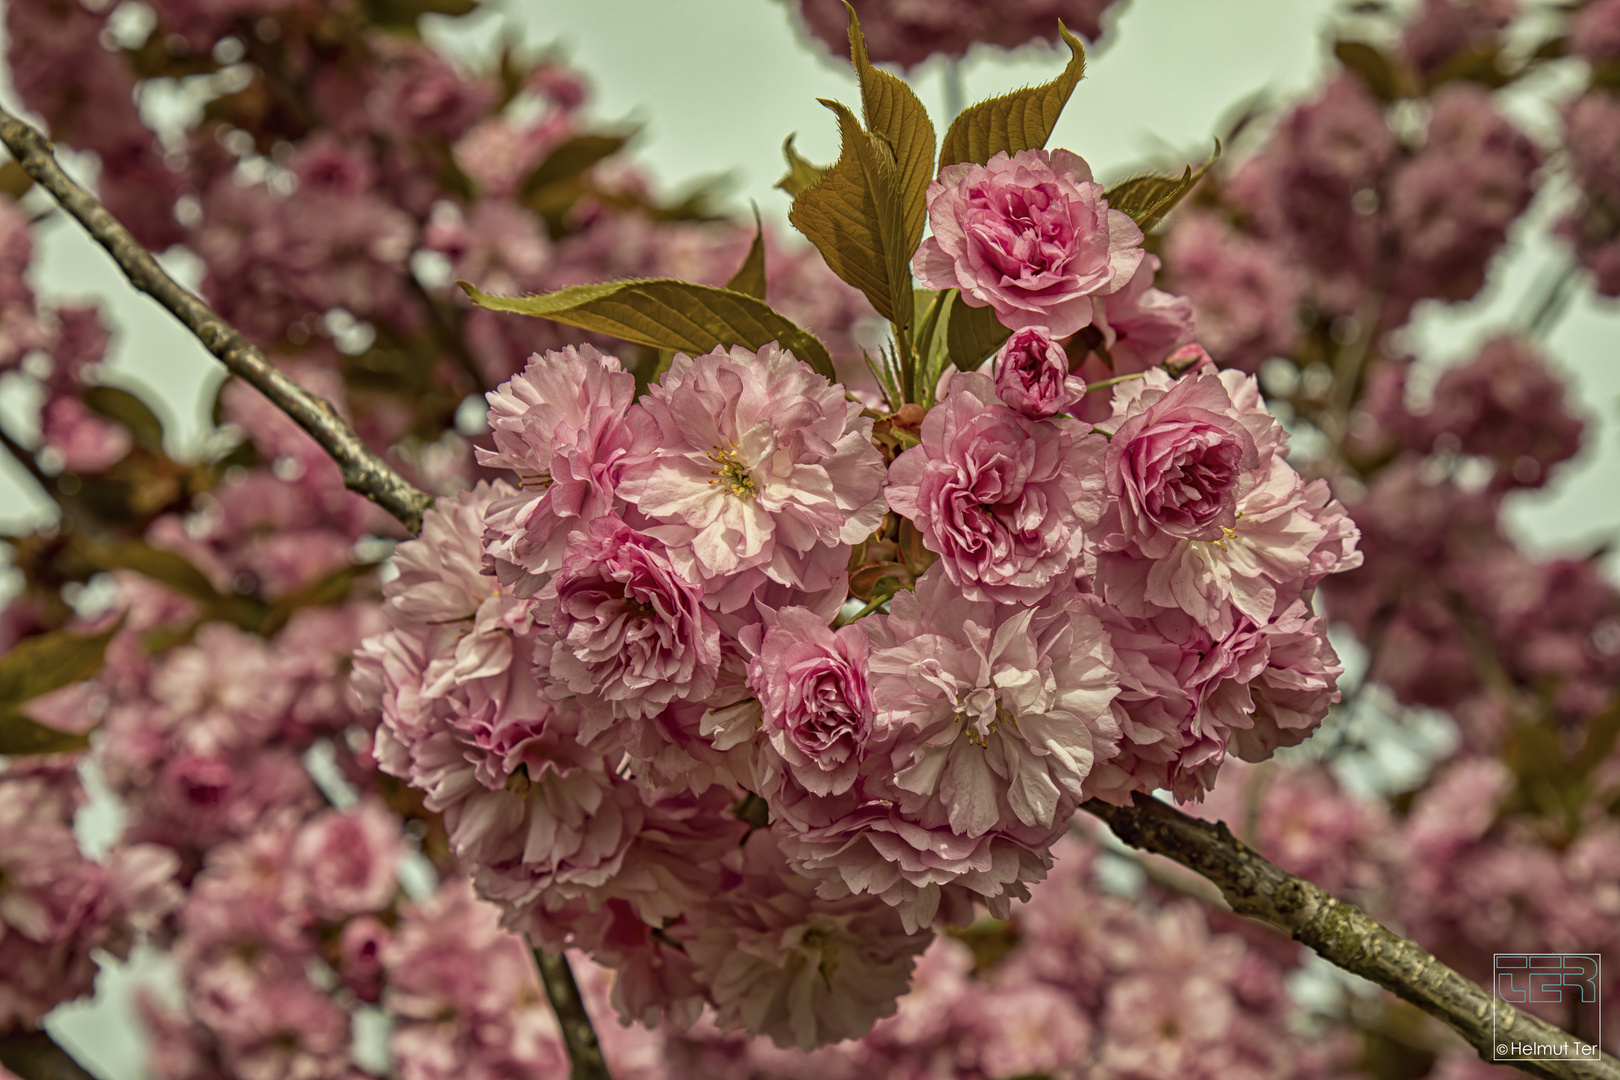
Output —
<point x="566" y="426"/>
<point x="764" y="471"/>
<point x="816" y="700"/>
<point x="780" y="961"/>
<point x="630" y="630"/>
<point x="1029" y="235"/>
<point x="1006" y="502"/>
<point x="1179" y="461"/>
<point x="1032" y="374"/>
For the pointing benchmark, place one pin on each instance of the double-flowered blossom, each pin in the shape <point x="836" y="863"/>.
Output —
<point x="763" y="470"/>
<point x="566" y="427"/>
<point x="1007" y="502"/>
<point x="1205" y="515"/>
<point x="1029" y="235"/>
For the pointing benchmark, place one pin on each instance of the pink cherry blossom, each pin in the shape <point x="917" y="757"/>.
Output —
<point x="816" y="700"/>
<point x="1179" y="461"/>
<point x="631" y="632"/>
<point x="566" y="426"/>
<point x="782" y="962"/>
<point x="1032" y="374"/>
<point x="764" y="471"/>
<point x="1029" y="235"/>
<point x="1006" y="502"/>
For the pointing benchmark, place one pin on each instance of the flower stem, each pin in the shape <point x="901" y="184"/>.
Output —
<point x="584" y="1048"/>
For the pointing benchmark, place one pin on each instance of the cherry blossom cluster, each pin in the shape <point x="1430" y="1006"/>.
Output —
<point x="629" y="676"/>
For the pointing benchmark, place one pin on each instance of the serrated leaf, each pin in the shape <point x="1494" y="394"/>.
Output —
<point x="667" y="314"/>
<point x="37" y="665"/>
<point x="127" y="409"/>
<point x="1376" y="70"/>
<point x="972" y="334"/>
<point x="1147" y="199"/>
<point x="893" y="113"/>
<point x="853" y="216"/>
<point x="750" y="276"/>
<point x="801" y="174"/>
<point x="1021" y="120"/>
<point x="21" y="735"/>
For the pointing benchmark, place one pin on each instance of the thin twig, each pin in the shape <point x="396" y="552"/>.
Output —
<point x="363" y="470"/>
<point x="1344" y="936"/>
<point x="584" y="1049"/>
<point x="34" y="1055"/>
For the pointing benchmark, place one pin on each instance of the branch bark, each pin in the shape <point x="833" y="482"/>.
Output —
<point x="34" y="1055"/>
<point x="584" y="1049"/>
<point x="1343" y="935"/>
<point x="363" y="470"/>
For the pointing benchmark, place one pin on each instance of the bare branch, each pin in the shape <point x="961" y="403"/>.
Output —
<point x="363" y="470"/>
<point x="584" y="1049"/>
<point x="1343" y="935"/>
<point x="34" y="1055"/>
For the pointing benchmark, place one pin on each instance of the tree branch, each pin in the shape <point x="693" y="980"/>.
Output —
<point x="364" y="471"/>
<point x="584" y="1049"/>
<point x="34" y="1055"/>
<point x="1343" y="935"/>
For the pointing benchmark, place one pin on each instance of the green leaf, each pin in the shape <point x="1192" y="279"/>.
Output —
<point x="37" y="665"/>
<point x="176" y="572"/>
<point x="20" y="735"/>
<point x="1149" y="198"/>
<point x="1377" y="71"/>
<point x="569" y="159"/>
<point x="667" y="314"/>
<point x="750" y="276"/>
<point x="972" y="334"/>
<point x="894" y="114"/>
<point x="127" y="409"/>
<point x="854" y="217"/>
<point x="1021" y="120"/>
<point x="801" y="174"/>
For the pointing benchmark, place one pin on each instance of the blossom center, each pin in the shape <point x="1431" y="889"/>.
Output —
<point x="732" y="474"/>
